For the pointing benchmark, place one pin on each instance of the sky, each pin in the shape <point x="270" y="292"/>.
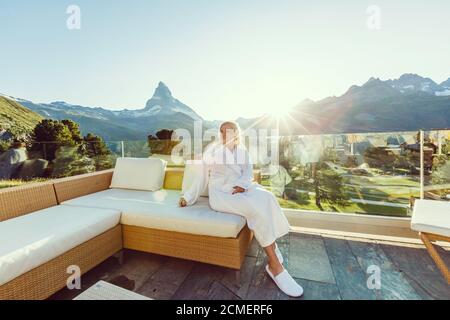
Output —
<point x="224" y="58"/>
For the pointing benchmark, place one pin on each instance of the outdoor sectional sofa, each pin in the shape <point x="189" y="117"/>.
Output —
<point x="80" y="221"/>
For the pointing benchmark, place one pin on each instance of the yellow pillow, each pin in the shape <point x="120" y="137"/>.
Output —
<point x="173" y="179"/>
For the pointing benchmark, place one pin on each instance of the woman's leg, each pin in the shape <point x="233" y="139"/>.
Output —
<point x="267" y="221"/>
<point x="274" y="264"/>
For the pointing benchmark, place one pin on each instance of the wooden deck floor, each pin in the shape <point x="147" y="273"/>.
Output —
<point x="327" y="268"/>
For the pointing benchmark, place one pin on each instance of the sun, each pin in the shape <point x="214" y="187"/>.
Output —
<point x="284" y="121"/>
<point x="288" y="121"/>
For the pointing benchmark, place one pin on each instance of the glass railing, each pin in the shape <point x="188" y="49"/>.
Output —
<point x="435" y="164"/>
<point x="364" y="173"/>
<point x="37" y="161"/>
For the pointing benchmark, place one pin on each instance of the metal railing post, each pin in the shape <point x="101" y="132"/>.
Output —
<point x="422" y="166"/>
<point x="123" y="149"/>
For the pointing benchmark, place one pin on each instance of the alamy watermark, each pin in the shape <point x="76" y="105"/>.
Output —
<point x="374" y="280"/>
<point x="262" y="145"/>
<point x="74" y="280"/>
<point x="374" y="18"/>
<point x="74" y="20"/>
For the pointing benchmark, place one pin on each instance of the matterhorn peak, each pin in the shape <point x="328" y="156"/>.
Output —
<point x="162" y="91"/>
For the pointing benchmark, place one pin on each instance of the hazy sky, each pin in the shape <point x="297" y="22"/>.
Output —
<point x="224" y="58"/>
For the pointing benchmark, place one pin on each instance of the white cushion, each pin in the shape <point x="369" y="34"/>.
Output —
<point x="431" y="216"/>
<point x="159" y="210"/>
<point x="29" y="241"/>
<point x="139" y="174"/>
<point x="193" y="171"/>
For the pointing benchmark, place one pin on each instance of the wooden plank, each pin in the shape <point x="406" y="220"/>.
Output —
<point x="257" y="293"/>
<point x="393" y="284"/>
<point x="418" y="267"/>
<point x="262" y="286"/>
<point x="219" y="292"/>
<point x="308" y="258"/>
<point x="200" y="284"/>
<point x="314" y="290"/>
<point x="138" y="266"/>
<point x="260" y="278"/>
<point x="163" y="284"/>
<point x="284" y="246"/>
<point x="350" y="278"/>
<point x="253" y="249"/>
<point x="229" y="279"/>
<point x="101" y="272"/>
<point x="170" y="278"/>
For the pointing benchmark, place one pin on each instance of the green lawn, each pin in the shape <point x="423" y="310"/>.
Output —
<point x="380" y="188"/>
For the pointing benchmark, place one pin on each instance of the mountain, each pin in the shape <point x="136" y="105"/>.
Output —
<point x="446" y="84"/>
<point x="98" y="121"/>
<point x="406" y="104"/>
<point x="15" y="118"/>
<point x="162" y="111"/>
<point x="410" y="82"/>
<point x="161" y="104"/>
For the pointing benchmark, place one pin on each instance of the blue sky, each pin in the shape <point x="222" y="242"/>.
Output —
<point x="224" y="58"/>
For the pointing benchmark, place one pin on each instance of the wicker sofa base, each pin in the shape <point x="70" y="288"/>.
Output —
<point x="226" y="252"/>
<point x="45" y="280"/>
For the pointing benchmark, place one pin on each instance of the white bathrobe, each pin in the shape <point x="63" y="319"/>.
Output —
<point x="221" y="169"/>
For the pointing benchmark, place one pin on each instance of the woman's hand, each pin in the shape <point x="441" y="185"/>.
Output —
<point x="237" y="189"/>
<point x="182" y="202"/>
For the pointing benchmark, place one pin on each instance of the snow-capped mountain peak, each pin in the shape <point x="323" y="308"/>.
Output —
<point x="410" y="82"/>
<point x="163" y="103"/>
<point x="162" y="92"/>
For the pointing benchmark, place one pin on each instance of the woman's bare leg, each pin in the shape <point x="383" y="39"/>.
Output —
<point x="274" y="264"/>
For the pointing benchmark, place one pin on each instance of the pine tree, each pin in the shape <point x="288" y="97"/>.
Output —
<point x="49" y="135"/>
<point x="328" y="184"/>
<point x="69" y="161"/>
<point x="74" y="129"/>
<point x="96" y="149"/>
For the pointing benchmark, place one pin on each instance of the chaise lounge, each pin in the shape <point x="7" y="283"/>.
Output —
<point x="431" y="218"/>
<point x="81" y="221"/>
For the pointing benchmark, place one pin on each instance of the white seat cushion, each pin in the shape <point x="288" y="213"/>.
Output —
<point x="431" y="216"/>
<point x="159" y="210"/>
<point x="29" y="241"/>
<point x="139" y="174"/>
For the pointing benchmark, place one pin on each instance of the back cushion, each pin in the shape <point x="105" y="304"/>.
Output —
<point x="139" y="174"/>
<point x="194" y="171"/>
<point x="173" y="179"/>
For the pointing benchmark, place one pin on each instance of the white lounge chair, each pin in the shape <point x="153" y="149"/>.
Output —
<point x="431" y="218"/>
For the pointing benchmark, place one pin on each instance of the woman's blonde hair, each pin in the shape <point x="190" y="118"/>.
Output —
<point x="235" y="126"/>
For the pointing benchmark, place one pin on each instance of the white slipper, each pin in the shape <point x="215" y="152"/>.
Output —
<point x="286" y="283"/>
<point x="278" y="253"/>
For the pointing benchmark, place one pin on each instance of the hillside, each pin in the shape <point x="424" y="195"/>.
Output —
<point x="16" y="118"/>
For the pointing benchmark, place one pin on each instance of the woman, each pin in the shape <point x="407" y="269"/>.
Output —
<point x="231" y="190"/>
